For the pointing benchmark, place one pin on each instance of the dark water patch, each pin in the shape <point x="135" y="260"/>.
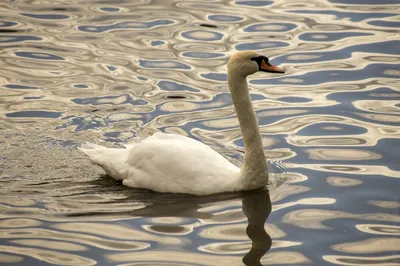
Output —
<point x="4" y="23"/>
<point x="254" y="3"/>
<point x="207" y="25"/>
<point x="353" y="16"/>
<point x="202" y="55"/>
<point x="215" y="76"/>
<point x="114" y="100"/>
<point x="168" y="229"/>
<point x="111" y="68"/>
<point x="329" y="129"/>
<point x="33" y="97"/>
<point x="163" y="64"/>
<point x="112" y="134"/>
<point x="110" y="9"/>
<point x="118" y="136"/>
<point x="202" y="35"/>
<point x="81" y="86"/>
<point x="46" y="16"/>
<point x="330" y="36"/>
<point x="120" y="88"/>
<point x="20" y="87"/>
<point x="176" y="97"/>
<point x="60" y="9"/>
<point x="18" y="38"/>
<point x="384" y="23"/>
<point x="325" y="76"/>
<point x="260" y="45"/>
<point x="293" y="99"/>
<point x="126" y="25"/>
<point x="142" y="78"/>
<point x="157" y="43"/>
<point x="224" y="18"/>
<point x="390" y="47"/>
<point x="174" y="86"/>
<point x="84" y="123"/>
<point x="389" y="148"/>
<point x="37" y="114"/>
<point x="271" y="27"/>
<point x="9" y="31"/>
<point x="38" y="55"/>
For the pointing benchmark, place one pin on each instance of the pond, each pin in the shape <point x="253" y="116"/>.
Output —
<point x="110" y="72"/>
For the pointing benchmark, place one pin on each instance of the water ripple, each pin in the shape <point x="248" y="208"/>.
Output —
<point x="202" y="35"/>
<point x="260" y="45"/>
<point x="38" y="55"/>
<point x="116" y="72"/>
<point x="163" y="64"/>
<point x="19" y="38"/>
<point x="46" y="16"/>
<point x="224" y="18"/>
<point x="353" y="16"/>
<point x="271" y="27"/>
<point x="126" y="25"/>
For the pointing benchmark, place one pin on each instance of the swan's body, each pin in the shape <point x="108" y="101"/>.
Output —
<point x="178" y="164"/>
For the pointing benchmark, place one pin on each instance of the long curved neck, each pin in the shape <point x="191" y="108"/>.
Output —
<point x="255" y="170"/>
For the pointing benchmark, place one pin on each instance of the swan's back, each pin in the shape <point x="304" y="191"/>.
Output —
<point x="169" y="163"/>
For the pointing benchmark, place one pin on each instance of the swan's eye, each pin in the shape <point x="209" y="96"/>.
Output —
<point x="259" y="60"/>
<point x="265" y="66"/>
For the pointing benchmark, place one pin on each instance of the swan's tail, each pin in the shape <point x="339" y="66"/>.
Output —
<point x="90" y="146"/>
<point x="113" y="161"/>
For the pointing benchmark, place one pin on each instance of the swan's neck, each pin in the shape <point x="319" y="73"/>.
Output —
<point x="254" y="173"/>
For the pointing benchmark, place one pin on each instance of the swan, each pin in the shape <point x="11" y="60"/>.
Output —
<point x="178" y="164"/>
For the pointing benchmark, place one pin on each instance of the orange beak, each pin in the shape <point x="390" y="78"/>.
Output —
<point x="267" y="67"/>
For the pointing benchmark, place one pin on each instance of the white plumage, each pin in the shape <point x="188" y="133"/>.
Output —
<point x="178" y="164"/>
<point x="167" y="163"/>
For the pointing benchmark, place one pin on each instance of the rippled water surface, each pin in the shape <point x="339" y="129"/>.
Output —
<point x="112" y="71"/>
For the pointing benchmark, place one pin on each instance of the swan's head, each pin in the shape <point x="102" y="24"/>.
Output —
<point x="249" y="62"/>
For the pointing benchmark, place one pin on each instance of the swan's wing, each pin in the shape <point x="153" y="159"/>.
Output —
<point x="174" y="163"/>
<point x="165" y="136"/>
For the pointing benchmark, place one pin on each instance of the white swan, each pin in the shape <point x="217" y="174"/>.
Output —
<point x="178" y="164"/>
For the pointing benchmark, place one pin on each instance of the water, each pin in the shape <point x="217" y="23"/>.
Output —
<point x="112" y="71"/>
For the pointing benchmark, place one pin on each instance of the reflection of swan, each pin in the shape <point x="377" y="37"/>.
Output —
<point x="257" y="207"/>
<point x="174" y="163"/>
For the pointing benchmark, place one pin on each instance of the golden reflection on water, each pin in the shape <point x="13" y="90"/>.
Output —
<point x="342" y="181"/>
<point x="315" y="219"/>
<point x="372" y="245"/>
<point x="113" y="71"/>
